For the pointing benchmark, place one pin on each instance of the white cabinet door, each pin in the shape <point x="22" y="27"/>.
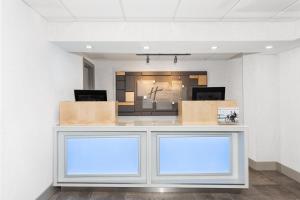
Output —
<point x="195" y="158"/>
<point x="101" y="157"/>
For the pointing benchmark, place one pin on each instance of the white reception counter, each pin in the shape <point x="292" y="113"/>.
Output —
<point x="151" y="153"/>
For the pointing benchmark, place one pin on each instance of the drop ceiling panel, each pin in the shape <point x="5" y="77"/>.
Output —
<point x="167" y="10"/>
<point x="149" y="8"/>
<point x="212" y="9"/>
<point x="258" y="8"/>
<point x="291" y="12"/>
<point x="94" y="9"/>
<point x="50" y="9"/>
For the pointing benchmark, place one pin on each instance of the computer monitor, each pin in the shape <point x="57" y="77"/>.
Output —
<point x="90" y="95"/>
<point x="208" y="93"/>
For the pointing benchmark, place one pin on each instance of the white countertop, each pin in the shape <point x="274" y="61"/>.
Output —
<point x="155" y="122"/>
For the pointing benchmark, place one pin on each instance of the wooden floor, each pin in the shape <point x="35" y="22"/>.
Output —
<point x="266" y="185"/>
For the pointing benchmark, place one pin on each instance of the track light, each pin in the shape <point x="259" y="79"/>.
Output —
<point x="163" y="54"/>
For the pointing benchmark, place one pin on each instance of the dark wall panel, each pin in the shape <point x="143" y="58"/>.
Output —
<point x="127" y="82"/>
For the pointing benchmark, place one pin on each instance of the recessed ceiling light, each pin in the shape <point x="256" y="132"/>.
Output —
<point x="269" y="47"/>
<point x="162" y="190"/>
<point x="89" y="46"/>
<point x="146" y="47"/>
<point x="214" y="47"/>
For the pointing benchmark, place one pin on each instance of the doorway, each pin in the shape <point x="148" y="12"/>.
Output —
<point x="88" y="75"/>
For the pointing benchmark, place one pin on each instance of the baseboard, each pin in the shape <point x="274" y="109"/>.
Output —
<point x="264" y="166"/>
<point x="48" y="193"/>
<point x="275" y="166"/>
<point x="151" y="189"/>
<point x="290" y="173"/>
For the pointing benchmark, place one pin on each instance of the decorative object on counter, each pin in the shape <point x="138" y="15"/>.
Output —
<point x="228" y="115"/>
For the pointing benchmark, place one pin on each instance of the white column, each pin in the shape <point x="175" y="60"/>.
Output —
<point x="1" y="110"/>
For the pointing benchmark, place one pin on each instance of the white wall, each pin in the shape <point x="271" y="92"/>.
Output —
<point x="290" y="108"/>
<point x="271" y="106"/>
<point x="36" y="76"/>
<point x="234" y="76"/>
<point x="220" y="73"/>
<point x="261" y="105"/>
<point x="1" y="108"/>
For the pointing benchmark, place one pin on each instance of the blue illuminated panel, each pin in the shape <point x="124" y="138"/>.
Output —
<point x="102" y="155"/>
<point x="194" y="155"/>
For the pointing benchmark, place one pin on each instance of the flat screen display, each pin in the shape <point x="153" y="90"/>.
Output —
<point x="90" y="95"/>
<point x="208" y="93"/>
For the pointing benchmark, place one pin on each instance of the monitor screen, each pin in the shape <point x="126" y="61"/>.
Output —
<point x="208" y="93"/>
<point x="90" y="95"/>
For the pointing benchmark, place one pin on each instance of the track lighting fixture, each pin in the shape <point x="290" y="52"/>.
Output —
<point x="175" y="59"/>
<point x="269" y="47"/>
<point x="88" y="46"/>
<point x="164" y="54"/>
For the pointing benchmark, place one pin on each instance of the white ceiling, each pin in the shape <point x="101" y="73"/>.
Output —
<point x="199" y="50"/>
<point x="177" y="47"/>
<point x="166" y="10"/>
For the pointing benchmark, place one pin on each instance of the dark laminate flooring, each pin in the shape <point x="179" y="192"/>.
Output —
<point x="264" y="185"/>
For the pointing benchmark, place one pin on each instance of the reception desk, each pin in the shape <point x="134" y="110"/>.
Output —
<point x="159" y="152"/>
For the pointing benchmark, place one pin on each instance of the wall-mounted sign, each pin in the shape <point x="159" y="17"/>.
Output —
<point x="155" y="93"/>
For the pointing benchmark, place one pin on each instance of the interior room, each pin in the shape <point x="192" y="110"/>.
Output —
<point x="149" y="99"/>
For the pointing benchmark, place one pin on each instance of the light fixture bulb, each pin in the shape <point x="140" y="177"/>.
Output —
<point x="146" y="47"/>
<point x="269" y="47"/>
<point x="161" y="190"/>
<point x="214" y="47"/>
<point x="88" y="46"/>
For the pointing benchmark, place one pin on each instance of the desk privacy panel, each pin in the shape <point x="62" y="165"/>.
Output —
<point x="155" y="93"/>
